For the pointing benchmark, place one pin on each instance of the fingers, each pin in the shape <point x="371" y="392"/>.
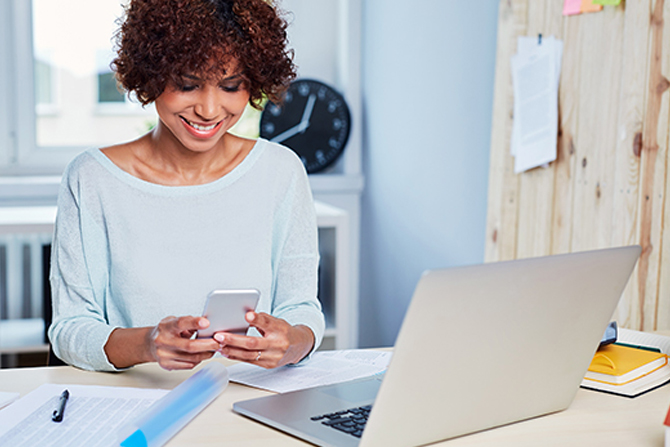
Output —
<point x="190" y="323"/>
<point x="261" y="321"/>
<point x="268" y="358"/>
<point x="256" y="350"/>
<point x="268" y="351"/>
<point x="172" y="347"/>
<point x="170" y="362"/>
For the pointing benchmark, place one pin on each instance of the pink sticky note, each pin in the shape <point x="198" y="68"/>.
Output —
<point x="571" y="7"/>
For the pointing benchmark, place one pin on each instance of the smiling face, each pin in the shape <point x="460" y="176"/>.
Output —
<point x="197" y="111"/>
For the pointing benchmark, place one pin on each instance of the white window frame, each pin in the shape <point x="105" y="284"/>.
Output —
<point x="52" y="108"/>
<point x="21" y="155"/>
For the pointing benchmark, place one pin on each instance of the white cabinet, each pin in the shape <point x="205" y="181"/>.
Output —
<point x="339" y="306"/>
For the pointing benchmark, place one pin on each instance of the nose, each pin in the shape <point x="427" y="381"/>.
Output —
<point x="208" y="104"/>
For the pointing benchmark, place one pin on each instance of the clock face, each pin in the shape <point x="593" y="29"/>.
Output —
<point x="313" y="120"/>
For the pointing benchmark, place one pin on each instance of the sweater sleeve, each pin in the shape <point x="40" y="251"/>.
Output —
<point x="297" y="260"/>
<point x="79" y="331"/>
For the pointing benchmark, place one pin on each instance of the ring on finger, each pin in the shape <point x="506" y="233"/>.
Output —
<point x="258" y="357"/>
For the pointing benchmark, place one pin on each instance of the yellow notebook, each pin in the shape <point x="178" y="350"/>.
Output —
<point x="618" y="365"/>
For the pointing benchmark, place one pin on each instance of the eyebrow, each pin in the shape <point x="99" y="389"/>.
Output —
<point x="229" y="78"/>
<point x="234" y="77"/>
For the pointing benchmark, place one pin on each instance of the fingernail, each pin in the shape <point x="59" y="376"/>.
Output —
<point x="219" y="337"/>
<point x="202" y="323"/>
<point x="251" y="316"/>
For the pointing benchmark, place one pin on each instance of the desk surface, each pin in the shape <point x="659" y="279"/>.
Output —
<point x="592" y="419"/>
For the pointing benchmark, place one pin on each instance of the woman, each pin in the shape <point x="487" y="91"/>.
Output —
<point x="146" y="229"/>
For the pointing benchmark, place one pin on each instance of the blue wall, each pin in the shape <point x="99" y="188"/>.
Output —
<point x="428" y="72"/>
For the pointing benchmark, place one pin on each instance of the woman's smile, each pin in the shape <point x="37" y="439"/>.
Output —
<point x="202" y="130"/>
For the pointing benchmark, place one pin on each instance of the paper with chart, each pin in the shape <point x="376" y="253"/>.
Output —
<point x="535" y="79"/>
<point x="324" y="368"/>
<point x="93" y="415"/>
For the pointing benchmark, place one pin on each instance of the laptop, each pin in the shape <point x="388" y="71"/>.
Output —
<point x="480" y="346"/>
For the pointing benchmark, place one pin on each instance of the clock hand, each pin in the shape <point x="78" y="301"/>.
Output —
<point x="289" y="133"/>
<point x="308" y="111"/>
<point x="302" y="126"/>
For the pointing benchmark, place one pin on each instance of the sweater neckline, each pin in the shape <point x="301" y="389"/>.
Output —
<point x="242" y="168"/>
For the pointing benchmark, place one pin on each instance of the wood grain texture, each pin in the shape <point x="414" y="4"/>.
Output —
<point x="536" y="188"/>
<point x="632" y="91"/>
<point x="503" y="184"/>
<point x="608" y="185"/>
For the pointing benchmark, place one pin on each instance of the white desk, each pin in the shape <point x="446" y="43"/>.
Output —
<point x="593" y="419"/>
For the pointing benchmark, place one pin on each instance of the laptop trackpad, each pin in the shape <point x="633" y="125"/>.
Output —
<point x="356" y="391"/>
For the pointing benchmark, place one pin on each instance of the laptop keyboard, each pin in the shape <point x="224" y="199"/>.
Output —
<point x="350" y="421"/>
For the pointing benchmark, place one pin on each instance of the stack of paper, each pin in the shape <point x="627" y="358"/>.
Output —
<point x="536" y="71"/>
<point x="324" y="368"/>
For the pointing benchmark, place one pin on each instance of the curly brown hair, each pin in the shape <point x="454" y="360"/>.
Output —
<point x="160" y="41"/>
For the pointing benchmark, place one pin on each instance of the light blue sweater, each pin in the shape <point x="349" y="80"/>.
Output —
<point x="127" y="253"/>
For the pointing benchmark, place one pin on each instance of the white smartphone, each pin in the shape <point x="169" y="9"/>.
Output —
<point x="225" y="310"/>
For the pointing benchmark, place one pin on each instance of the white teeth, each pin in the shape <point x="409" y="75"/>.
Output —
<point x="202" y="128"/>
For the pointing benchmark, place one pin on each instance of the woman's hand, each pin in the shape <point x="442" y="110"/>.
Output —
<point x="280" y="344"/>
<point x="171" y="346"/>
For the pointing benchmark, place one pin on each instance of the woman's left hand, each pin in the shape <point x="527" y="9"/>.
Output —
<point x="280" y="344"/>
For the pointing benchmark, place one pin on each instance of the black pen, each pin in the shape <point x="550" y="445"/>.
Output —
<point x="57" y="415"/>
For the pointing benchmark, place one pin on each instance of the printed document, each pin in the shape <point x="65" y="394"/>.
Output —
<point x="324" y="368"/>
<point x="535" y="77"/>
<point x="92" y="417"/>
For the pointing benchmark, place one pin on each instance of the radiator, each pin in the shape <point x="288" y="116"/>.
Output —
<point x="22" y="275"/>
<point x="23" y="270"/>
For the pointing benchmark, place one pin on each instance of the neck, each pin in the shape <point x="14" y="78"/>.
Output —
<point x="178" y="165"/>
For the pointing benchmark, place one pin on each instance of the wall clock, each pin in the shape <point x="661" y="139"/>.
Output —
<point x="314" y="121"/>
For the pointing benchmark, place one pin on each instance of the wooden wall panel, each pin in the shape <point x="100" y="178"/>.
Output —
<point x="608" y="186"/>
<point x="503" y="184"/>
<point x="653" y="165"/>
<point x="633" y="92"/>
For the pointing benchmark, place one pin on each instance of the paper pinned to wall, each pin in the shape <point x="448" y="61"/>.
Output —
<point x="536" y="72"/>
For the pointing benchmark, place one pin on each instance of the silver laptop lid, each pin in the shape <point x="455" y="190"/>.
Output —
<point x="487" y="345"/>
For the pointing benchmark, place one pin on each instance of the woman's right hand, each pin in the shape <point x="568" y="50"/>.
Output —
<point x="170" y="343"/>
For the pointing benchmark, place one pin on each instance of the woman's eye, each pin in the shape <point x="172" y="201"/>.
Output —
<point x="231" y="88"/>
<point x="187" y="88"/>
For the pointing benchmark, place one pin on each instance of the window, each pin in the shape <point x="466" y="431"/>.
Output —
<point x="57" y="84"/>
<point x="58" y="95"/>
<point x="108" y="90"/>
<point x="44" y="81"/>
